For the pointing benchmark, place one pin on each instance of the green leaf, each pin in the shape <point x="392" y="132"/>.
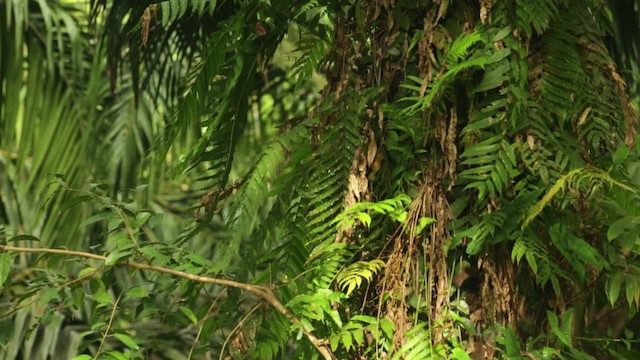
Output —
<point x="618" y="227"/>
<point x="69" y="203"/>
<point x="117" y="355"/>
<point x="620" y="155"/>
<point x="127" y="340"/>
<point x="48" y="295"/>
<point x="5" y="266"/>
<point x="23" y="237"/>
<point x="82" y="357"/>
<point x="347" y="340"/>
<point x="510" y="342"/>
<point x="6" y="330"/>
<point x="97" y="217"/>
<point x="102" y="297"/>
<point x="460" y="354"/>
<point x="189" y="314"/>
<point x="614" y="287"/>
<point x="86" y="271"/>
<point x="632" y="290"/>
<point x="334" y="341"/>
<point x="166" y="12"/>
<point x="555" y="328"/>
<point x="77" y="293"/>
<point x="137" y="292"/>
<point x="116" y="256"/>
<point x="184" y="5"/>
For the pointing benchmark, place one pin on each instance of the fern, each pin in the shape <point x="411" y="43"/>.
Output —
<point x="592" y="177"/>
<point x="492" y="166"/>
<point x="175" y="9"/>
<point x="536" y="14"/>
<point x="418" y="345"/>
<point x="460" y="63"/>
<point x="351" y="277"/>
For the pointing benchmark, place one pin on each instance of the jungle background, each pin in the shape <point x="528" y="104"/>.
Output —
<point x="283" y="179"/>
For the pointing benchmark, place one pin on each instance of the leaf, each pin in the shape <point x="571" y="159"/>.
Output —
<point x="620" y="155"/>
<point x="115" y="257"/>
<point x="127" y="340"/>
<point x="69" y="203"/>
<point x="5" y="266"/>
<point x="166" y="12"/>
<point x="137" y="292"/>
<point x="555" y="328"/>
<point x="82" y="357"/>
<point x="77" y="293"/>
<point x="23" y="238"/>
<point x="48" y="295"/>
<point x="86" y="271"/>
<point x="117" y="355"/>
<point x="618" y="227"/>
<point x="102" y="297"/>
<point x="347" y="340"/>
<point x="189" y="314"/>
<point x="6" y="330"/>
<point x="97" y="217"/>
<point x="632" y="290"/>
<point x="614" y="287"/>
<point x="460" y="354"/>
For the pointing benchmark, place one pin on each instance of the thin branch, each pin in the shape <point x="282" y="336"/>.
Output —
<point x="262" y="291"/>
<point x="106" y="331"/>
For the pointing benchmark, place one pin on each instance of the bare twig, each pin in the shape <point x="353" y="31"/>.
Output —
<point x="262" y="291"/>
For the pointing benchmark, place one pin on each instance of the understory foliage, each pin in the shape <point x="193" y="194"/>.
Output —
<point x="187" y="179"/>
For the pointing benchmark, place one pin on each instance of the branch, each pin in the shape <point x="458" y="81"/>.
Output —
<point x="262" y="291"/>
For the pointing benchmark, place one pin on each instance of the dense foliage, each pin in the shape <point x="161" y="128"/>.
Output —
<point x="283" y="179"/>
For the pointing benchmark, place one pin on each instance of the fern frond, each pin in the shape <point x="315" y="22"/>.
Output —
<point x="536" y="14"/>
<point x="352" y="276"/>
<point x="243" y="215"/>
<point x="492" y="166"/>
<point x="457" y="55"/>
<point x="418" y="345"/>
<point x="590" y="176"/>
<point x="329" y="168"/>
<point x="171" y="10"/>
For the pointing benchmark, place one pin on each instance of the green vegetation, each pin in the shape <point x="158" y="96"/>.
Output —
<point x="244" y="179"/>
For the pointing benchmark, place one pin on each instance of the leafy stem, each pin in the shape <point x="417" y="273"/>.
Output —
<point x="263" y="292"/>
